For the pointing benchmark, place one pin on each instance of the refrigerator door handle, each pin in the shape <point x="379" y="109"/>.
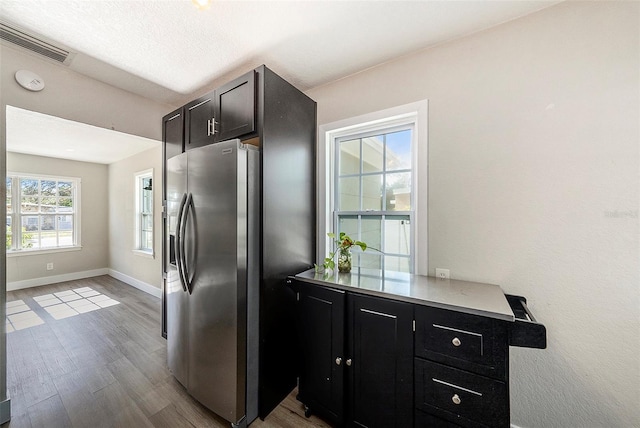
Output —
<point x="188" y="278"/>
<point x="178" y="246"/>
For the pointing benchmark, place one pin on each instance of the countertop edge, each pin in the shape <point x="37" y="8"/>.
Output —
<point x="408" y="299"/>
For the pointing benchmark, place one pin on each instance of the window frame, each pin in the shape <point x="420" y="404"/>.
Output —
<point x="16" y="221"/>
<point x="138" y="214"/>
<point x="413" y="114"/>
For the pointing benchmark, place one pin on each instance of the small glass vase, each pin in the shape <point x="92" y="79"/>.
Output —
<point x="344" y="260"/>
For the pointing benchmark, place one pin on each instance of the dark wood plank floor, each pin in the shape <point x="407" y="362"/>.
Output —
<point x="107" y="368"/>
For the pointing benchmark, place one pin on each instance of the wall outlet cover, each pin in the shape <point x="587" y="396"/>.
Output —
<point x="442" y="273"/>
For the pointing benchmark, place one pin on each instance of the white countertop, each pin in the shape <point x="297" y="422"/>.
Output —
<point x="463" y="296"/>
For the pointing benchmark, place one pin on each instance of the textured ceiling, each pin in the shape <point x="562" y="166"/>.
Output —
<point x="171" y="51"/>
<point x="67" y="139"/>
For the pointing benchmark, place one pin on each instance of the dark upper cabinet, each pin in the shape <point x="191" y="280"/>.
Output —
<point x="235" y="108"/>
<point x="226" y="113"/>
<point x="380" y="361"/>
<point x="321" y="336"/>
<point x="199" y="122"/>
<point x="172" y="133"/>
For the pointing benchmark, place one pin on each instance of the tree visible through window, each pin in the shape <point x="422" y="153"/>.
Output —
<point x="373" y="197"/>
<point x="41" y="212"/>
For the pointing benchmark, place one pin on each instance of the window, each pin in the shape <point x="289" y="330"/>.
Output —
<point x="371" y="181"/>
<point x="373" y="199"/>
<point x="144" y="211"/>
<point x="42" y="212"/>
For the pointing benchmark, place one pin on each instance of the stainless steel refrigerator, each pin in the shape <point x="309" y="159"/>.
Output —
<point x="213" y="240"/>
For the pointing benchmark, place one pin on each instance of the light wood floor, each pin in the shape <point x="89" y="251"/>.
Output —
<point x="107" y="368"/>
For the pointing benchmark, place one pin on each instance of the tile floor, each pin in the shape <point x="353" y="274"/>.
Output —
<point x="63" y="304"/>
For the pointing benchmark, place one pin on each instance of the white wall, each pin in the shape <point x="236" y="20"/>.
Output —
<point x="93" y="220"/>
<point x="533" y="184"/>
<point x="122" y="258"/>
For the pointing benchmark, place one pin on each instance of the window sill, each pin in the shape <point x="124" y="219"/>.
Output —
<point x="147" y="254"/>
<point x="19" y="253"/>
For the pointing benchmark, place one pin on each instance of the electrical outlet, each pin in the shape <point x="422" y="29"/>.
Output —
<point x="49" y="266"/>
<point x="442" y="273"/>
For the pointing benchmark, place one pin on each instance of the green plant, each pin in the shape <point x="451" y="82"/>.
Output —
<point x="342" y="243"/>
<point x="26" y="237"/>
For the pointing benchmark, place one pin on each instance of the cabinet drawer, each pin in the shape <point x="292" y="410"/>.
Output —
<point x="431" y="421"/>
<point x="470" y="342"/>
<point x="461" y="394"/>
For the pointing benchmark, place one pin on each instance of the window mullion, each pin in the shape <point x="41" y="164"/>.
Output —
<point x="361" y="170"/>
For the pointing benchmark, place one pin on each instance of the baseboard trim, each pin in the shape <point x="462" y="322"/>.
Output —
<point x="46" y="280"/>
<point x="5" y="411"/>
<point x="140" y="285"/>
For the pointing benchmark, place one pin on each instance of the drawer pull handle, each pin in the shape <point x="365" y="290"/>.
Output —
<point x="349" y="362"/>
<point x="451" y="385"/>
<point x="456" y="399"/>
<point x="456" y="341"/>
<point x="338" y="361"/>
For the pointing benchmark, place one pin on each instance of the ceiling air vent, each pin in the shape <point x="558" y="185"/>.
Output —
<point x="33" y="44"/>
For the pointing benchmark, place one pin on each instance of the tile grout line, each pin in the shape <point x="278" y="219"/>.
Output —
<point x="92" y="298"/>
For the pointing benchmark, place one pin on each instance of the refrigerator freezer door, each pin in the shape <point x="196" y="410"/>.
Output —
<point x="216" y="261"/>
<point x="177" y="297"/>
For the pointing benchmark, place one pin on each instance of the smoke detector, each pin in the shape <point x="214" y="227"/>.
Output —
<point x="29" y="80"/>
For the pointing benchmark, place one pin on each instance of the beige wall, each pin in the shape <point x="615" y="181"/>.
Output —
<point x="71" y="96"/>
<point x="533" y="185"/>
<point x="94" y="231"/>
<point x="122" y="258"/>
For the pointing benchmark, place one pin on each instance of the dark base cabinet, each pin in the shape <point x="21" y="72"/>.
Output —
<point x="431" y="421"/>
<point x="371" y="361"/>
<point x="469" y="399"/>
<point x="321" y="315"/>
<point x="357" y="358"/>
<point x="380" y="348"/>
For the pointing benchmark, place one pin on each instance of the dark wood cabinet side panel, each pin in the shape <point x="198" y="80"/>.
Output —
<point x="288" y="185"/>
<point x="288" y="210"/>
<point x="278" y="343"/>
<point x="380" y="340"/>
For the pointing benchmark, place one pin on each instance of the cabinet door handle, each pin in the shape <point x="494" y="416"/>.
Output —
<point x="456" y="341"/>
<point x="348" y="362"/>
<point x="338" y="361"/>
<point x="211" y="126"/>
<point x="456" y="399"/>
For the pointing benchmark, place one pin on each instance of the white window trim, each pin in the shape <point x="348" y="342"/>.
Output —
<point x="77" y="217"/>
<point x="136" y="221"/>
<point x="416" y="113"/>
